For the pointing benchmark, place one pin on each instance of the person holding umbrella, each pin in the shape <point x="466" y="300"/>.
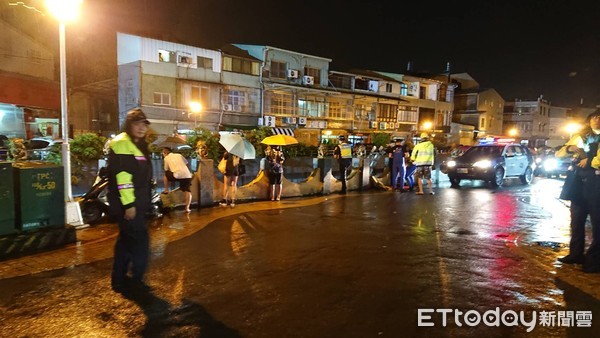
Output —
<point x="275" y="161"/>
<point x="237" y="148"/>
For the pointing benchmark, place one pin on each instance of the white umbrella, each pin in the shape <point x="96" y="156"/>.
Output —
<point x="237" y="145"/>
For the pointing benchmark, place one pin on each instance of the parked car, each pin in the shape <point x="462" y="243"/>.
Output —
<point x="493" y="163"/>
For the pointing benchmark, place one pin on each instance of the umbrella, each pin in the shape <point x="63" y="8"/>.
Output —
<point x="279" y="140"/>
<point x="169" y="142"/>
<point x="237" y="145"/>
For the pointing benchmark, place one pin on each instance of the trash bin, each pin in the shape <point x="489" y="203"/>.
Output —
<point x="7" y="199"/>
<point x="39" y="195"/>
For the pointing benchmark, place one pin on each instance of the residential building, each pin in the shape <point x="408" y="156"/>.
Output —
<point x="481" y="108"/>
<point x="295" y="94"/>
<point x="30" y="96"/>
<point x="164" y="78"/>
<point x="559" y="128"/>
<point x="530" y="119"/>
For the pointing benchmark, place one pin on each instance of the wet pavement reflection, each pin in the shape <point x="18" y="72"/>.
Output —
<point x="361" y="265"/>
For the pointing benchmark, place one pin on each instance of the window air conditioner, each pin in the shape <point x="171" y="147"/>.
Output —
<point x="308" y="80"/>
<point x="373" y="86"/>
<point x="302" y="121"/>
<point x="289" y="120"/>
<point x="292" y="74"/>
<point x="227" y="107"/>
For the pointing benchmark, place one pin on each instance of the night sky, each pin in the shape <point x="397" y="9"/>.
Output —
<point x="523" y="48"/>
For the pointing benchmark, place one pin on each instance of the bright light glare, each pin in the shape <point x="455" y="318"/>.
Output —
<point x="427" y="125"/>
<point x="483" y="164"/>
<point x="64" y="10"/>
<point x="513" y="132"/>
<point x="550" y="164"/>
<point x="572" y="128"/>
<point x="451" y="164"/>
<point x="195" y="107"/>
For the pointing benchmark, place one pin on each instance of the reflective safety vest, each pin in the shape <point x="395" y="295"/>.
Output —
<point x="423" y="154"/>
<point x="345" y="150"/>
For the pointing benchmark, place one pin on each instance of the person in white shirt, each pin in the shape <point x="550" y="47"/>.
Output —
<point x="176" y="170"/>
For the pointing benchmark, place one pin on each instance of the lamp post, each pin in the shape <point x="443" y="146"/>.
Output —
<point x="513" y="132"/>
<point x="65" y="11"/>
<point x="195" y="108"/>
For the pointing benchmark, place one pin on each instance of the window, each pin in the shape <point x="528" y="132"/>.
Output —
<point x="403" y="89"/>
<point x="388" y="87"/>
<point x="185" y="59"/>
<point x="337" y="110"/>
<point x="278" y="70"/>
<point x="200" y="94"/>
<point x="314" y="72"/>
<point x="482" y="123"/>
<point x="423" y="92"/>
<point x="166" y="56"/>
<point x="236" y="97"/>
<point x="281" y="103"/>
<point x="162" y="99"/>
<point x="311" y="107"/>
<point x="387" y="112"/>
<point x="206" y="63"/>
<point x="238" y="65"/>
<point x="340" y="81"/>
<point x="407" y="114"/>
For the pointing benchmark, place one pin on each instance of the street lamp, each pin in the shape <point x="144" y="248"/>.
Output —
<point x="513" y="132"/>
<point x="427" y="125"/>
<point x="195" y="108"/>
<point x="65" y="11"/>
<point x="572" y="128"/>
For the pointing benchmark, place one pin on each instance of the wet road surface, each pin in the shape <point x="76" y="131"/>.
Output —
<point x="356" y="266"/>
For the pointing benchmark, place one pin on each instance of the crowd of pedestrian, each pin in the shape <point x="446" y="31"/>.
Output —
<point x="130" y="173"/>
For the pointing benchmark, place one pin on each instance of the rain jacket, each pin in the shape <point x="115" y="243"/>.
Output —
<point x="423" y="154"/>
<point x="129" y="175"/>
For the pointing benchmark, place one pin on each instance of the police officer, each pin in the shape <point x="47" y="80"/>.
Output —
<point x="129" y="175"/>
<point x="584" y="198"/>
<point x="343" y="153"/>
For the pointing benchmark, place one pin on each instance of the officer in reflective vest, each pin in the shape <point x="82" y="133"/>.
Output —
<point x="129" y="174"/>
<point x="343" y="153"/>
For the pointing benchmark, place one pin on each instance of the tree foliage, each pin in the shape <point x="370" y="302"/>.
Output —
<point x="255" y="136"/>
<point x="381" y="139"/>
<point x="210" y="139"/>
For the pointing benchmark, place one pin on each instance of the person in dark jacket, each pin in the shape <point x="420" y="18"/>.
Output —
<point x="129" y="189"/>
<point x="584" y="197"/>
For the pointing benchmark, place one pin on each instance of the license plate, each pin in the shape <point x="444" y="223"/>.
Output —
<point x="462" y="170"/>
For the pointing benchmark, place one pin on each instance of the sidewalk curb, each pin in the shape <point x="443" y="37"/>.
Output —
<point x="22" y="244"/>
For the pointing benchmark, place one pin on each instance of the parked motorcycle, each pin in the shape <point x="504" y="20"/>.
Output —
<point x="94" y="204"/>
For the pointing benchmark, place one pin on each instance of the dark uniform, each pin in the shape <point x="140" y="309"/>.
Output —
<point x="584" y="202"/>
<point x="343" y="153"/>
<point x="130" y="172"/>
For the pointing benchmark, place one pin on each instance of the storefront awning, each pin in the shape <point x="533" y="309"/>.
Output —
<point x="283" y="131"/>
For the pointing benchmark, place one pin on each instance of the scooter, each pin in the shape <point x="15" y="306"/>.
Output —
<point x="94" y="204"/>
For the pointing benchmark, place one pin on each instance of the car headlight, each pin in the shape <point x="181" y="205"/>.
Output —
<point x="550" y="164"/>
<point x="483" y="164"/>
<point x="451" y="164"/>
